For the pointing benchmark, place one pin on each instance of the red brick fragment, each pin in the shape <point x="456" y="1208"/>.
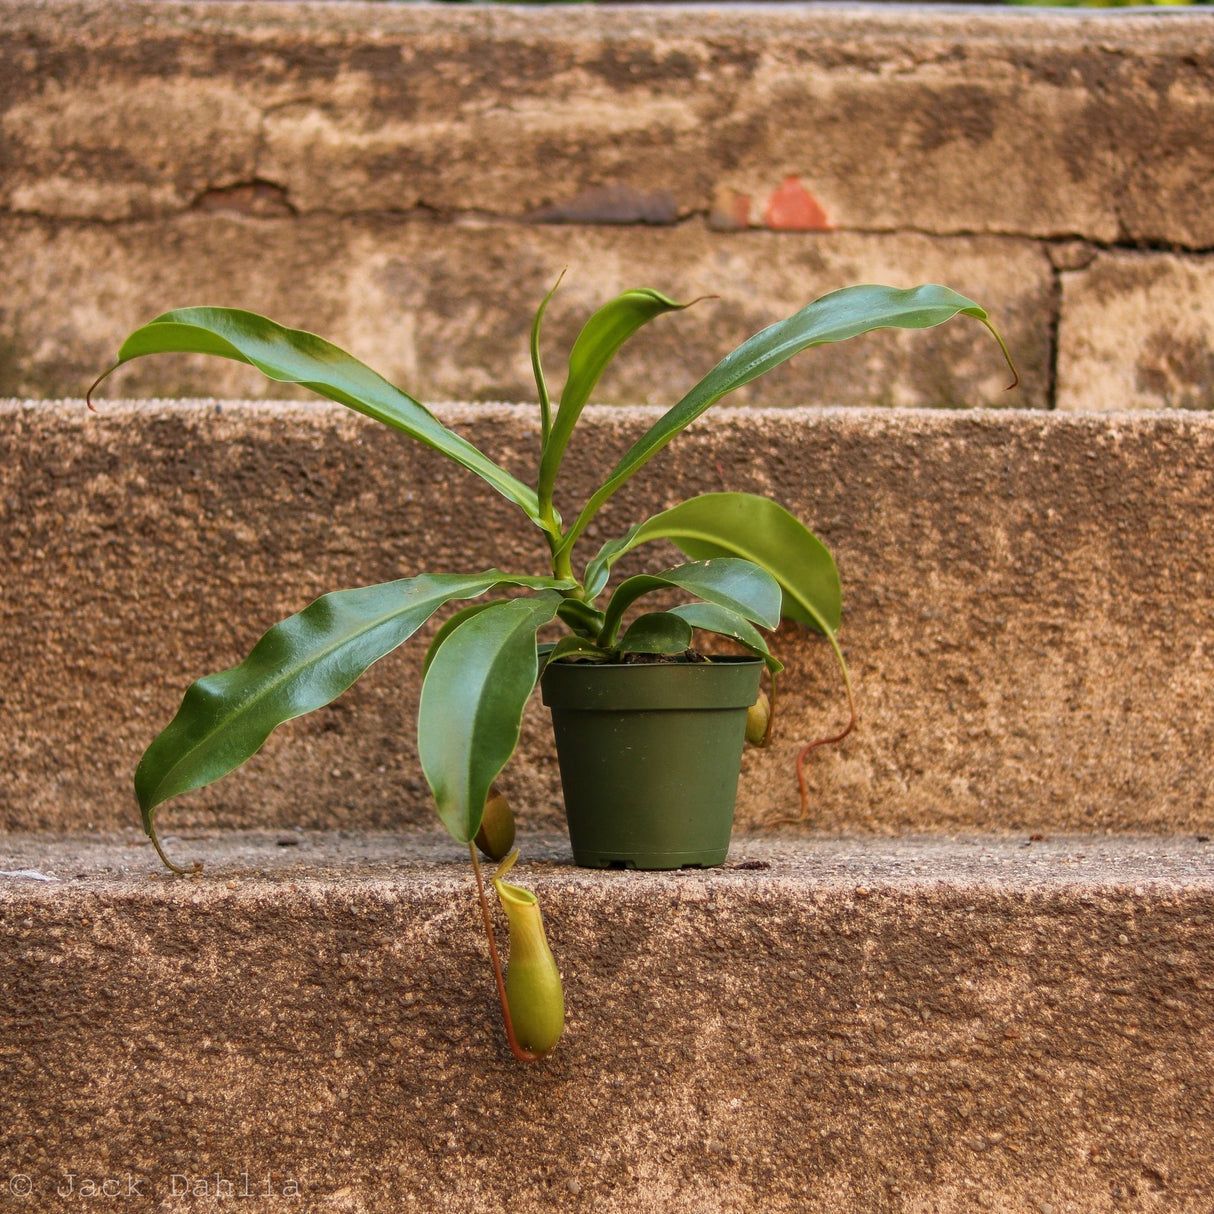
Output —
<point x="792" y="208"/>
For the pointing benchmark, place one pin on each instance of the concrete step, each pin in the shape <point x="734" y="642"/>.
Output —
<point x="978" y="976"/>
<point x="1027" y="604"/>
<point x="840" y="1024"/>
<point x="635" y="114"/>
<point x="428" y="170"/>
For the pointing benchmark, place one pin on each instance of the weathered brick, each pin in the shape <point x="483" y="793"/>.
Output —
<point x="1137" y="332"/>
<point x="792" y="208"/>
<point x="939" y="121"/>
<point x="445" y="310"/>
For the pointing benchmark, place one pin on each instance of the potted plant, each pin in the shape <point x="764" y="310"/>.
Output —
<point x="750" y="563"/>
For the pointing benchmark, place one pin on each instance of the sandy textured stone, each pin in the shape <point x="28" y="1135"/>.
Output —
<point x="844" y="1026"/>
<point x="445" y="310"/>
<point x="1138" y="332"/>
<point x="1027" y="604"/>
<point x="409" y="179"/>
<point x="948" y="122"/>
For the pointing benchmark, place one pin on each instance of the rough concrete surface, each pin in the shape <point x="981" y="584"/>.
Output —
<point x="445" y="310"/>
<point x="1027" y="604"/>
<point x="944" y="121"/>
<point x="1138" y="329"/>
<point x="840" y="1025"/>
<point x="409" y="179"/>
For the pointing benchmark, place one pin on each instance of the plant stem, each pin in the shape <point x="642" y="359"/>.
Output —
<point x="802" y="786"/>
<point x="517" y="1050"/>
<point x="562" y="564"/>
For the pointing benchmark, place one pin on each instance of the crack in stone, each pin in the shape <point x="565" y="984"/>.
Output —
<point x="263" y="199"/>
<point x="268" y="199"/>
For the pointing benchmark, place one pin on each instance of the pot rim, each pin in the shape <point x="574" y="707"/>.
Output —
<point x="728" y="681"/>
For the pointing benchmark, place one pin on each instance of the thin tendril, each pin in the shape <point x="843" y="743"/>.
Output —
<point x="181" y="872"/>
<point x="802" y="785"/>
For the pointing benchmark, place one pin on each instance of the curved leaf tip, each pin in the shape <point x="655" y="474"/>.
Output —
<point x="296" y="356"/>
<point x="301" y="664"/>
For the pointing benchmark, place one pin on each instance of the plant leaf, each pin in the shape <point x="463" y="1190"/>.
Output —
<point x="580" y="617"/>
<point x="537" y="367"/>
<point x="596" y="345"/>
<point x="598" y="568"/>
<point x="748" y="526"/>
<point x="708" y="617"/>
<point x="300" y="664"/>
<point x="447" y="627"/>
<point x="472" y="704"/>
<point x="295" y="356"/>
<point x="573" y="646"/>
<point x="736" y="584"/>
<point x="656" y="632"/>
<point x="835" y="317"/>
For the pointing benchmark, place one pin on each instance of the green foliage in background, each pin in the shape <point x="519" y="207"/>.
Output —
<point x="1108" y="3"/>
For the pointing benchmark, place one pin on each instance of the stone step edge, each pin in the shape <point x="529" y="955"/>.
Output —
<point x="425" y="863"/>
<point x="952" y="1024"/>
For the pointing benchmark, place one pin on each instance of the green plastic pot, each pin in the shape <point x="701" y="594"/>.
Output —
<point x="649" y="757"/>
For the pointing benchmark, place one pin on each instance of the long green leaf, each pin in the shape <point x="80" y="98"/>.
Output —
<point x="298" y="357"/>
<point x="447" y="627"/>
<point x="708" y="617"/>
<point x="537" y="366"/>
<point x="580" y="617"/>
<point x="832" y="318"/>
<point x="300" y="664"/>
<point x="728" y="582"/>
<point x="472" y="704"/>
<point x="596" y="345"/>
<point x="749" y="526"/>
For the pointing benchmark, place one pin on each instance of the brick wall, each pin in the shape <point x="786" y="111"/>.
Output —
<point x="410" y="180"/>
